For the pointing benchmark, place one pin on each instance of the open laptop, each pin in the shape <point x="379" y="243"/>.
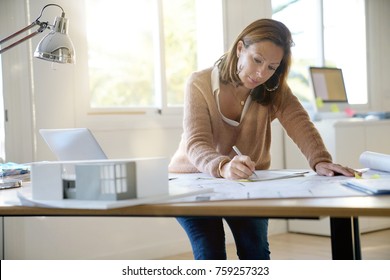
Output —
<point x="329" y="91"/>
<point x="73" y="144"/>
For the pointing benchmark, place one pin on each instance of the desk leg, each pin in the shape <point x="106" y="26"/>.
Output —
<point x="2" y="245"/>
<point x="345" y="238"/>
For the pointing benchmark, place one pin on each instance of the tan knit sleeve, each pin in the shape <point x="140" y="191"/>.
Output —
<point x="197" y="150"/>
<point x="301" y="130"/>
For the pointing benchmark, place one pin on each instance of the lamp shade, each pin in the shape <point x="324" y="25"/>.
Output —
<point x="57" y="46"/>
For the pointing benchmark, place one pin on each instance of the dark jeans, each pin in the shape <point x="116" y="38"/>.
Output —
<point x="207" y="237"/>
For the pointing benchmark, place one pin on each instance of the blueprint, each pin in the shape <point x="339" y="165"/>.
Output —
<point x="300" y="184"/>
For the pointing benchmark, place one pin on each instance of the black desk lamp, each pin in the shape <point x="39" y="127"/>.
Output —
<point x="55" y="46"/>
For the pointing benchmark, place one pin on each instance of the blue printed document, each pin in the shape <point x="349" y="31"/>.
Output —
<point x="369" y="186"/>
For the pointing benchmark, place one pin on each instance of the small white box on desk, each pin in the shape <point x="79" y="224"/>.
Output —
<point x="152" y="177"/>
<point x="100" y="179"/>
<point x="46" y="181"/>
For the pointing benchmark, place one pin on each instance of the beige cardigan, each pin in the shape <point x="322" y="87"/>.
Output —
<point x="208" y="136"/>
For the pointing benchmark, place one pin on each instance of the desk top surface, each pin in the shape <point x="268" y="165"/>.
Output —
<point x="286" y="207"/>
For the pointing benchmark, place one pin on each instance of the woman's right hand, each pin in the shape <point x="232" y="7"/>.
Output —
<point x="240" y="167"/>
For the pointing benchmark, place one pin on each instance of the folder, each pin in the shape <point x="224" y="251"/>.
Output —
<point x="369" y="186"/>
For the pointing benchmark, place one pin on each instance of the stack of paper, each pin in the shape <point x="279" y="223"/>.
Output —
<point x="369" y="186"/>
<point x="375" y="161"/>
<point x="374" y="185"/>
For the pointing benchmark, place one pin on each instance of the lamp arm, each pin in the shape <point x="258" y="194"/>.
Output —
<point x="42" y="27"/>
<point x="48" y="5"/>
<point x="18" y="32"/>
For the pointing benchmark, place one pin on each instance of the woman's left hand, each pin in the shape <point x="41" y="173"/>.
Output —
<point x="332" y="169"/>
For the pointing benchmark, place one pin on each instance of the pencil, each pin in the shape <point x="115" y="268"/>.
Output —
<point x="238" y="152"/>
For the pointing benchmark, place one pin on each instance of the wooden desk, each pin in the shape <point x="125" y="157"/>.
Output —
<point x="343" y="213"/>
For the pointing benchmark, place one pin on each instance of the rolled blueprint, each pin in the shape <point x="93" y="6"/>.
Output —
<point x="375" y="161"/>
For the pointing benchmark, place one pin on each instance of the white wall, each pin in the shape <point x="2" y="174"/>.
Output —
<point x="17" y="86"/>
<point x="378" y="42"/>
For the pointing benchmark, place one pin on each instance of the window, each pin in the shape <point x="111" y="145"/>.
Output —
<point x="140" y="53"/>
<point x="326" y="33"/>
<point x="120" y="53"/>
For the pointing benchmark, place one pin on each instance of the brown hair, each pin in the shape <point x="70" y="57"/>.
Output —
<point x="257" y="31"/>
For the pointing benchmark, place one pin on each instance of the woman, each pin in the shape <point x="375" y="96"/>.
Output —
<point x="233" y="104"/>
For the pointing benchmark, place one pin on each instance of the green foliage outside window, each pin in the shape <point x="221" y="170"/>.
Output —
<point x="124" y="59"/>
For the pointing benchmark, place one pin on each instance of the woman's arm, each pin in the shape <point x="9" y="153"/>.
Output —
<point x="199" y="116"/>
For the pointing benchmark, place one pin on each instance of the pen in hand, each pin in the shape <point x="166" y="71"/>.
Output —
<point x="240" y="154"/>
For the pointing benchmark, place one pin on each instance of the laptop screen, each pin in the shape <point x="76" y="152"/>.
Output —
<point x="73" y="144"/>
<point x="328" y="88"/>
<point x="328" y="84"/>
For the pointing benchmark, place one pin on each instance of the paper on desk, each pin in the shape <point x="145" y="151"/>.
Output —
<point x="370" y="186"/>
<point x="304" y="186"/>
<point x="376" y="161"/>
<point x="199" y="187"/>
<point x="268" y="175"/>
<point x="25" y="198"/>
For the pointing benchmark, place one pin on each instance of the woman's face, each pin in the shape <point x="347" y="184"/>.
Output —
<point x="257" y="63"/>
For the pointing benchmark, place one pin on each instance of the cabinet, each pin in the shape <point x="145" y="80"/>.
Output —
<point x="345" y="140"/>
